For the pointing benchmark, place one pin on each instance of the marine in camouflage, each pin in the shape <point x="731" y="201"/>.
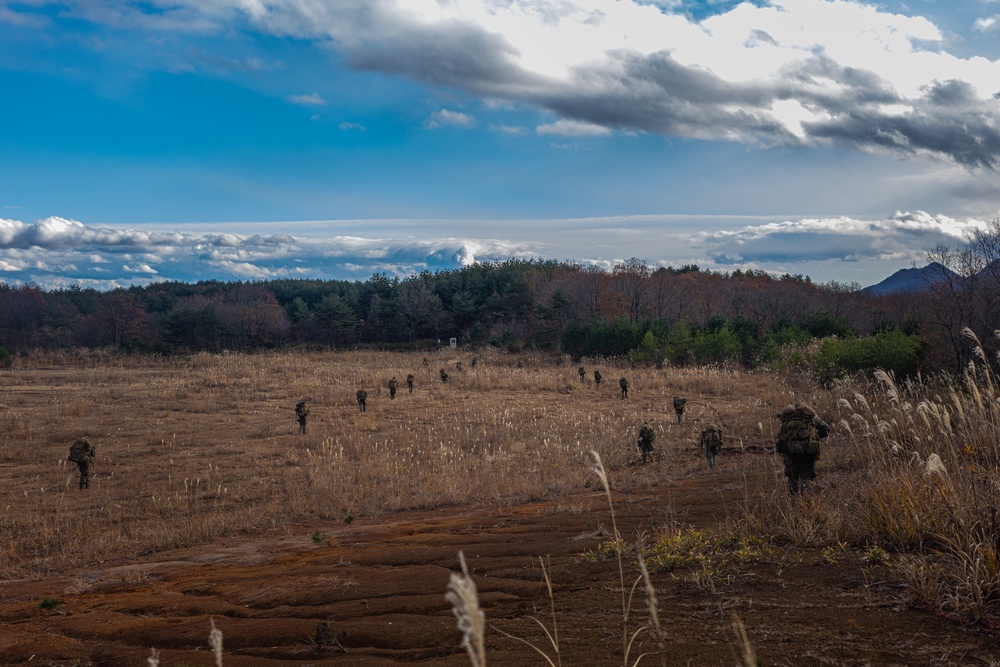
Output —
<point x="798" y="443"/>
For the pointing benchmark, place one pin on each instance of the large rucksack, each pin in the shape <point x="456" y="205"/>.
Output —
<point x="798" y="434"/>
<point x="79" y="450"/>
<point x="711" y="438"/>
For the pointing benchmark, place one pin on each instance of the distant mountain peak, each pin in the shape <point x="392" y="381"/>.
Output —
<point x="912" y="280"/>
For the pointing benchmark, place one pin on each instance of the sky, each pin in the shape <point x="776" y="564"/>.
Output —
<point x="153" y="140"/>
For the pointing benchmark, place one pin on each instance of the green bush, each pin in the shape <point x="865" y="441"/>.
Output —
<point x="892" y="351"/>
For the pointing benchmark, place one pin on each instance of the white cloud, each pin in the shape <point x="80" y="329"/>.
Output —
<point x="900" y="237"/>
<point x="987" y="24"/>
<point x="444" y="117"/>
<point x="312" y="99"/>
<point x="347" y="126"/>
<point x="572" y="128"/>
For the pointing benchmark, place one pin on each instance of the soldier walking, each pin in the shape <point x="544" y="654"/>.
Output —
<point x="597" y="378"/>
<point x="393" y="386"/>
<point x="444" y="375"/>
<point x="798" y="443"/>
<point x="302" y="414"/>
<point x="409" y="382"/>
<point x="82" y="453"/>
<point x="679" y="407"/>
<point x="362" y="399"/>
<point x="711" y="441"/>
<point x="583" y="374"/>
<point x="623" y="383"/>
<point x="646" y="438"/>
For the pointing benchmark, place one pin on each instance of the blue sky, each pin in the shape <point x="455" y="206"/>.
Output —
<point x="242" y="139"/>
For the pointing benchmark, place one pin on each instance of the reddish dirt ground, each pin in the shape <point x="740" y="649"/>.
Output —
<point x="381" y="589"/>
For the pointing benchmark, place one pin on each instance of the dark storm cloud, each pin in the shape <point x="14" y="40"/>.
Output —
<point x="451" y="54"/>
<point x="967" y="136"/>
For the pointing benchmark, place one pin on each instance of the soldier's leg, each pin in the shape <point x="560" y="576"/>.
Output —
<point x="807" y="470"/>
<point x="791" y="473"/>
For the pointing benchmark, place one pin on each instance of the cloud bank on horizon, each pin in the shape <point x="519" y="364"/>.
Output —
<point x="56" y="253"/>
<point x="678" y="131"/>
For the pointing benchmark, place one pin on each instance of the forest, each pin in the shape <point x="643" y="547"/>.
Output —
<point x="664" y="315"/>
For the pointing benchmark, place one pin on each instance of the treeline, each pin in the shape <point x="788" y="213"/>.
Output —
<point x="662" y="315"/>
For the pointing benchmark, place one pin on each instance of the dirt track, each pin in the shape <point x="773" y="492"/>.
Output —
<point x="381" y="589"/>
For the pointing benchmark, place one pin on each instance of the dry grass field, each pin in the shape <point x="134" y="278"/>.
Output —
<point x="207" y="506"/>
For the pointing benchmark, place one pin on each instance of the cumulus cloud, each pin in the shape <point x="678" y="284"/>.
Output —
<point x="57" y="252"/>
<point x="444" y="117"/>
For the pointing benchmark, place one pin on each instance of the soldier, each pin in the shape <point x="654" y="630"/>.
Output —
<point x="458" y="366"/>
<point x="520" y="364"/>
<point x="393" y="386"/>
<point x="82" y="453"/>
<point x="409" y="382"/>
<point x="302" y="414"/>
<point x="474" y="362"/>
<point x="623" y="383"/>
<point x="646" y="438"/>
<point x="583" y="374"/>
<point x="679" y="407"/>
<point x="444" y="375"/>
<point x="798" y="443"/>
<point x="711" y="441"/>
<point x="362" y="399"/>
<point x="426" y="363"/>
<point x="597" y="378"/>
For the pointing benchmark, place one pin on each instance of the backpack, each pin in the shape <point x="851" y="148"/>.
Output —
<point x="78" y="450"/>
<point x="711" y="438"/>
<point x="798" y="434"/>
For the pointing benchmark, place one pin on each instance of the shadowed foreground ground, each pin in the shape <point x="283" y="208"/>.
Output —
<point x="381" y="588"/>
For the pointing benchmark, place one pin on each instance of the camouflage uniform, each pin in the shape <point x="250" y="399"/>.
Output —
<point x="393" y="386"/>
<point x="597" y="378"/>
<point x="646" y="438"/>
<point x="583" y="374"/>
<point x="474" y="362"/>
<point x="798" y="443"/>
<point x="82" y="453"/>
<point x="458" y="366"/>
<point x="409" y="382"/>
<point x="679" y="407"/>
<point x="362" y="399"/>
<point x="302" y="414"/>
<point x="444" y="375"/>
<point x="711" y="441"/>
<point x="623" y="383"/>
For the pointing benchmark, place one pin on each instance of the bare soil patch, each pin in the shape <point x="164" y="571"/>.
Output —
<point x="380" y="588"/>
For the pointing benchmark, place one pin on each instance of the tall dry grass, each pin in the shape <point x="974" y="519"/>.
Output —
<point x="191" y="449"/>
<point x="914" y="470"/>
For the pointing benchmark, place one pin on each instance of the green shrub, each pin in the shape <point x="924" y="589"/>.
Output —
<point x="891" y="351"/>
